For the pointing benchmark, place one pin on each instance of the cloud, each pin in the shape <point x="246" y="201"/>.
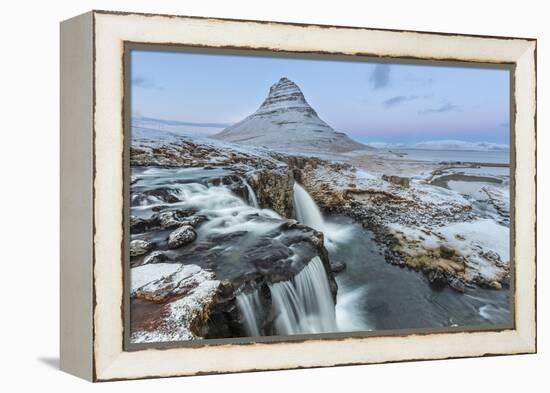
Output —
<point x="394" y="101"/>
<point x="445" y="107"/>
<point x="145" y="83"/>
<point x="380" y="76"/>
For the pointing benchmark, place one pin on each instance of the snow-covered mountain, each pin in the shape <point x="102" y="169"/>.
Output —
<point x="285" y="121"/>
<point x="444" y="145"/>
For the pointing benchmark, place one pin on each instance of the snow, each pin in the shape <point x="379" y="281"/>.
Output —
<point x="285" y="121"/>
<point x="153" y="137"/>
<point x="183" y="277"/>
<point x="471" y="188"/>
<point x="468" y="239"/>
<point x="480" y="236"/>
<point x="142" y="275"/>
<point x="177" y="127"/>
<point x="198" y="287"/>
<point x="177" y="324"/>
<point x="483" y="234"/>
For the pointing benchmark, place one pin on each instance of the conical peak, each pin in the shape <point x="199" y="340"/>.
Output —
<point x="284" y="82"/>
<point x="284" y="94"/>
<point x="285" y="86"/>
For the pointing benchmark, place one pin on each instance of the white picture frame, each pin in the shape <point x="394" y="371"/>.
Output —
<point x="92" y="194"/>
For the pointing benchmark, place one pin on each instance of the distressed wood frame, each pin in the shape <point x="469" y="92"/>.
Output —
<point x="92" y="190"/>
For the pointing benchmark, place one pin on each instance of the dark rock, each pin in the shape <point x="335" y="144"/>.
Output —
<point x="181" y="236"/>
<point x="138" y="225"/>
<point x="165" y="219"/>
<point x="437" y="278"/>
<point x="165" y="194"/>
<point x="171" y="218"/>
<point x="337" y="267"/>
<point x="456" y="284"/>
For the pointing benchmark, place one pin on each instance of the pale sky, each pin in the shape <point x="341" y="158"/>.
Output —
<point x="371" y="102"/>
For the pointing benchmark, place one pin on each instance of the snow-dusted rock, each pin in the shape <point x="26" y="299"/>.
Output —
<point x="181" y="236"/>
<point x="142" y="275"/>
<point x="139" y="247"/>
<point x="186" y="317"/>
<point x="155" y="257"/>
<point x="181" y="282"/>
<point x="286" y="121"/>
<point x="169" y="219"/>
<point x="475" y="252"/>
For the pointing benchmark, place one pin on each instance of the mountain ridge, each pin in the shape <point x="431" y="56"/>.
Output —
<point x="286" y="121"/>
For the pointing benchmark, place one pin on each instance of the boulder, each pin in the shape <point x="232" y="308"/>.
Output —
<point x="169" y="219"/>
<point x="337" y="267"/>
<point x="139" y="247"/>
<point x="181" y="236"/>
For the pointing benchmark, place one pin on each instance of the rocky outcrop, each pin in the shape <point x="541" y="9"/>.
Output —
<point x="397" y="180"/>
<point x="273" y="190"/>
<point x="182" y="152"/>
<point x="167" y="218"/>
<point x="172" y="306"/>
<point x="286" y="120"/>
<point x="421" y="228"/>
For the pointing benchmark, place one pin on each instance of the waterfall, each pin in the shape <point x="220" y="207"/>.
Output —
<point x="306" y="210"/>
<point x="304" y="304"/>
<point x="248" y="304"/>
<point x="252" y="200"/>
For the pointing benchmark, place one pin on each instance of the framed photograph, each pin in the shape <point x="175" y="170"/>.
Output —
<point x="248" y="195"/>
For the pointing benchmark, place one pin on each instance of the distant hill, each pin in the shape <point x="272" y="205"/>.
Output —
<point x="445" y="145"/>
<point x="285" y="121"/>
<point x="177" y="126"/>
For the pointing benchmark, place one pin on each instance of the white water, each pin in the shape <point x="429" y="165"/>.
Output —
<point x="304" y="304"/>
<point x="248" y="304"/>
<point x="308" y="213"/>
<point x="251" y="195"/>
<point x="306" y="209"/>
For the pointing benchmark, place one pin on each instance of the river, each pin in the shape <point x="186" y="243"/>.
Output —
<point x="372" y="296"/>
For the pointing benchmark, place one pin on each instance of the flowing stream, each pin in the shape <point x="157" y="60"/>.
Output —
<point x="372" y="294"/>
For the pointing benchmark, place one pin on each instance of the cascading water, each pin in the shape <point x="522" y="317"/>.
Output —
<point x="306" y="209"/>
<point x="252" y="200"/>
<point x="301" y="305"/>
<point x="304" y="304"/>
<point x="249" y="304"/>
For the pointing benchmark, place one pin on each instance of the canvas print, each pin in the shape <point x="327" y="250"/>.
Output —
<point x="281" y="196"/>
